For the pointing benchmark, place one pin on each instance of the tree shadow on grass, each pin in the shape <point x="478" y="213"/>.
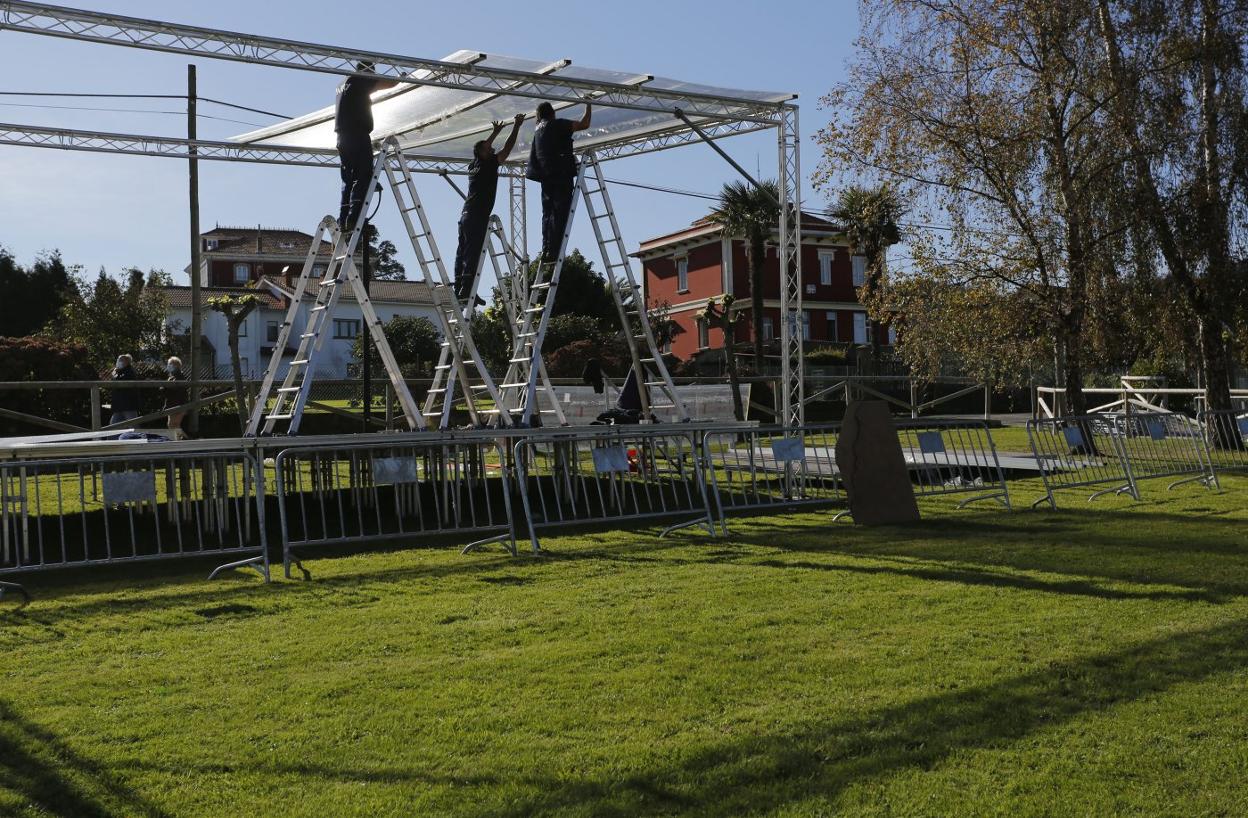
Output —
<point x="45" y="776"/>
<point x="1202" y="554"/>
<point x="820" y="759"/>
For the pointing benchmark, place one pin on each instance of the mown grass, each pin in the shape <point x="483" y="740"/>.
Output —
<point x="1089" y="661"/>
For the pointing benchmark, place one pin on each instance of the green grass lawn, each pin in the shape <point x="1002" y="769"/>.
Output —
<point x="1090" y="661"/>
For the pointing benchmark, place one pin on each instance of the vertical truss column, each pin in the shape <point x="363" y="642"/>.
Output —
<point x="518" y="229"/>
<point x="790" y="399"/>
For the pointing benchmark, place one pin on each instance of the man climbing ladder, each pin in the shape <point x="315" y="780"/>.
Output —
<point x="353" y="124"/>
<point x="474" y="219"/>
<point x="552" y="163"/>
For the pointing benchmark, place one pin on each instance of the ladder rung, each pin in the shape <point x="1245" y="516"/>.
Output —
<point x="656" y="383"/>
<point x="523" y="360"/>
<point x="308" y="335"/>
<point x="319" y="308"/>
<point x="543" y="286"/>
<point x="278" y="417"/>
<point x="299" y="362"/>
<point x="513" y="384"/>
<point x="289" y="388"/>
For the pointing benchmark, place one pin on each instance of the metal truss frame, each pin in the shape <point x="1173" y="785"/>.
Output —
<point x="791" y="403"/>
<point x="716" y="117"/>
<point x="156" y="35"/>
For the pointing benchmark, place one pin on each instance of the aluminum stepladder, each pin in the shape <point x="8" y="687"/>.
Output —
<point x="508" y="273"/>
<point x="291" y="397"/>
<point x="519" y="388"/>
<point x="628" y="297"/>
<point x="459" y="351"/>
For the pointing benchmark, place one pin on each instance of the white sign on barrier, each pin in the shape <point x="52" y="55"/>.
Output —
<point x="129" y="487"/>
<point x="789" y="449"/>
<point x="1243" y="426"/>
<point x="1156" y="430"/>
<point x="610" y="459"/>
<point x="391" y="470"/>
<point x="1074" y="437"/>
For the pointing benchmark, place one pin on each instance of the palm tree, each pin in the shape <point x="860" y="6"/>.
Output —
<point x="751" y="212"/>
<point x="869" y="216"/>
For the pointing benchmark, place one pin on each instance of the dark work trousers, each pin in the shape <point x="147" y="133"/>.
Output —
<point x="556" y="203"/>
<point x="472" y="230"/>
<point x="355" y="151"/>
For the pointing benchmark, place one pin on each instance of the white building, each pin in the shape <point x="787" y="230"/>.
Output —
<point x="259" y="331"/>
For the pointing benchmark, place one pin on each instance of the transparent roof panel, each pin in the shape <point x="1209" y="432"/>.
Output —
<point x="444" y="122"/>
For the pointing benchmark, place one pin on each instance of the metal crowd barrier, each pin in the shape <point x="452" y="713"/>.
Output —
<point x="1165" y="444"/>
<point x="767" y="469"/>
<point x="1080" y="451"/>
<point x="611" y="474"/>
<point x="953" y="457"/>
<point x="1226" y="438"/>
<point x="427" y="487"/>
<point x="132" y="508"/>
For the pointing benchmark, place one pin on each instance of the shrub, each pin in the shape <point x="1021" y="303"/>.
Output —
<point x="42" y="359"/>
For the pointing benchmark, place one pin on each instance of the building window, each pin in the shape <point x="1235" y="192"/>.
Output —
<point x="682" y="275"/>
<point x="271" y="330"/>
<point x="769" y="330"/>
<point x="860" y="328"/>
<point x="704" y="334"/>
<point x="318" y="270"/>
<point x="666" y="346"/>
<point x="242" y="273"/>
<point x="242" y="330"/>
<point x="825" y="266"/>
<point x="346" y="328"/>
<point x="892" y="337"/>
<point x="830" y="317"/>
<point x="805" y="325"/>
<point x="860" y="270"/>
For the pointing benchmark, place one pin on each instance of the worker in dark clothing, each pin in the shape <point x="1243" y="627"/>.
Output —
<point x="474" y="220"/>
<point x="553" y="164"/>
<point x="353" y="122"/>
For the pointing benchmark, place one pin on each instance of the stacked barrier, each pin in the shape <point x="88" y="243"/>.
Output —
<point x="953" y="457"/>
<point x="769" y="469"/>
<point x="411" y="488"/>
<point x="1080" y="451"/>
<point x="1165" y="444"/>
<point x="1226" y="439"/>
<point x="609" y="475"/>
<point x="138" y="507"/>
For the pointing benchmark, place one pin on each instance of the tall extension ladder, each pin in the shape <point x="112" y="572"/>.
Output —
<point x="508" y="274"/>
<point x="456" y="333"/>
<point x="629" y="298"/>
<point x="519" y="388"/>
<point x="290" y="399"/>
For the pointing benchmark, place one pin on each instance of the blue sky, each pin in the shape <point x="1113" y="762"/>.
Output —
<point x="118" y="211"/>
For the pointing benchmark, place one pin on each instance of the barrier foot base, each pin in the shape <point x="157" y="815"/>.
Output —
<point x="1116" y="490"/>
<point x="13" y="586"/>
<point x="1000" y="497"/>
<point x="1205" y="480"/>
<point x="836" y="518"/>
<point x="507" y="540"/>
<point x="257" y="563"/>
<point x="688" y="524"/>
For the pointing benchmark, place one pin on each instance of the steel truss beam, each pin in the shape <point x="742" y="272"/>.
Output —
<point x="155" y="35"/>
<point x="175" y="148"/>
<point x="791" y="404"/>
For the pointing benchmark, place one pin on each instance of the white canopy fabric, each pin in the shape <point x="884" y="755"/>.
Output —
<point x="445" y="123"/>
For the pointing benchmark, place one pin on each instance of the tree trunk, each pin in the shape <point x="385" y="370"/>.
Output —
<point x="730" y="361"/>
<point x="757" y="263"/>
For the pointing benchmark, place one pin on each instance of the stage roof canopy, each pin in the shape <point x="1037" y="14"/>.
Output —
<point x="443" y="123"/>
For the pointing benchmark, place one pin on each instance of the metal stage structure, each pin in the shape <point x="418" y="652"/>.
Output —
<point x="428" y="123"/>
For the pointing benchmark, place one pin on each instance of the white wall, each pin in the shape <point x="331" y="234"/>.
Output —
<point x="334" y="357"/>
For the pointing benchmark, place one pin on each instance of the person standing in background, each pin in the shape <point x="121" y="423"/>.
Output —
<point x="125" y="402"/>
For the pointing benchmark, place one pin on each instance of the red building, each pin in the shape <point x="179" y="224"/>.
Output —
<point x="686" y="268"/>
<point x="234" y="256"/>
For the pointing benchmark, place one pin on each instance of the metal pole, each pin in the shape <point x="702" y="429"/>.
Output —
<point x="196" y="261"/>
<point x="366" y="275"/>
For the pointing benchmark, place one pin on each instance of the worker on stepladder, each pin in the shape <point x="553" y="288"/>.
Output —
<point x="553" y="164"/>
<point x="353" y="123"/>
<point x="474" y="220"/>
